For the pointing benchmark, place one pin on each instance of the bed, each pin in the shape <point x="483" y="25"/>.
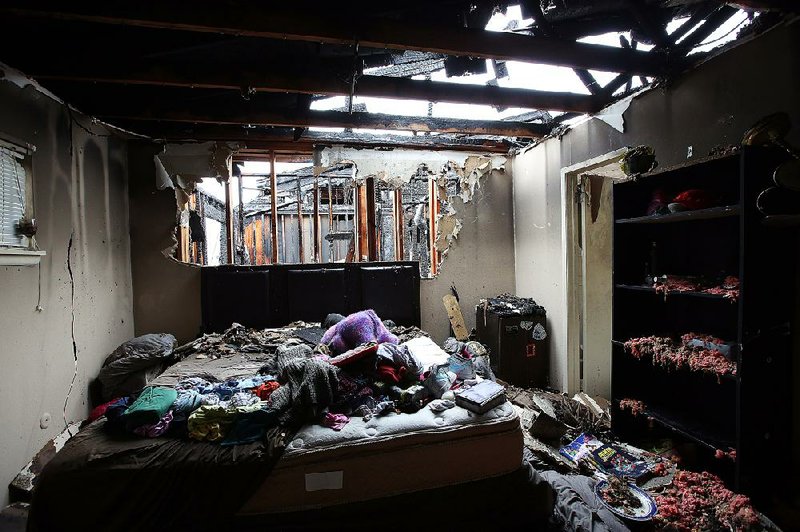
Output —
<point x="294" y="480"/>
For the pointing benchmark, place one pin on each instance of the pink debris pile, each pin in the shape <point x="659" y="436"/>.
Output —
<point x="730" y="454"/>
<point x="729" y="288"/>
<point x="635" y="406"/>
<point x="700" y="501"/>
<point x="681" y="354"/>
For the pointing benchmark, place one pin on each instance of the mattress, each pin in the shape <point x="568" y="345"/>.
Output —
<point x="389" y="455"/>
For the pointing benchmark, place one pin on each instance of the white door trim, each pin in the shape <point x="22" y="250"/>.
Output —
<point x="572" y="261"/>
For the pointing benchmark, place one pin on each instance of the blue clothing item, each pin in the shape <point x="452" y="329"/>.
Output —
<point x="192" y="383"/>
<point x="114" y="413"/>
<point x="187" y="401"/>
<point x="254" y="382"/>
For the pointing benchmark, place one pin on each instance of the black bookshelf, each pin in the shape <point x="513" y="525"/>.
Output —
<point x="751" y="411"/>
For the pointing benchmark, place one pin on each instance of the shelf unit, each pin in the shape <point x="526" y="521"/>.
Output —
<point x="750" y="411"/>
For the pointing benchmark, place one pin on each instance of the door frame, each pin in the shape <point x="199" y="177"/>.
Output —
<point x="573" y="260"/>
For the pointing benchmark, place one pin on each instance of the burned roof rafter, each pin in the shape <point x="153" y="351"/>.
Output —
<point x="367" y="85"/>
<point x="332" y="27"/>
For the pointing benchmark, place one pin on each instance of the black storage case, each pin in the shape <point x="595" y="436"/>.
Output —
<point x="516" y="356"/>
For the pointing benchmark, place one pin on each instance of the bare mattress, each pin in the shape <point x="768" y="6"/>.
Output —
<point x="108" y="482"/>
<point x="321" y="467"/>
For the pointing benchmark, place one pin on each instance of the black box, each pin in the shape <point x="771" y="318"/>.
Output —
<point x="519" y="346"/>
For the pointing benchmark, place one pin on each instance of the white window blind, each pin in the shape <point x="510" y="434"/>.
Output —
<point x="13" y="180"/>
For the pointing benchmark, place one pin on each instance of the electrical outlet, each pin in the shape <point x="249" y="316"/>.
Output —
<point x="44" y="421"/>
<point x="689" y="152"/>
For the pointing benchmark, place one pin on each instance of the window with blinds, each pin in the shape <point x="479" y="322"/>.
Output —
<point x="13" y="184"/>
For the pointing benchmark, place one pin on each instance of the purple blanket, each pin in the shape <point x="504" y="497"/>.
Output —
<point x="355" y="330"/>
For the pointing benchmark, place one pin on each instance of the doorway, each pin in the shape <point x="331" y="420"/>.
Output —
<point x="588" y="244"/>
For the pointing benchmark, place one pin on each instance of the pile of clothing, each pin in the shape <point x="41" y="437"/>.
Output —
<point x="359" y="368"/>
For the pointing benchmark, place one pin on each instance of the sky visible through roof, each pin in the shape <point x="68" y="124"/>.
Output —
<point x="520" y="75"/>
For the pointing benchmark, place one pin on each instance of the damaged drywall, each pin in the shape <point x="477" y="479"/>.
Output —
<point x="475" y="220"/>
<point x="183" y="166"/>
<point x="398" y="170"/>
<point x="65" y="316"/>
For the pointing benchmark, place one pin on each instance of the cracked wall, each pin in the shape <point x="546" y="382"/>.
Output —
<point x="80" y="182"/>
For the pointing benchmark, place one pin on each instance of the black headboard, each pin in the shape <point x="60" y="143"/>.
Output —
<point x="274" y="295"/>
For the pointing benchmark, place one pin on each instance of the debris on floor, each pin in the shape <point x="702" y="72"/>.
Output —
<point x="569" y="440"/>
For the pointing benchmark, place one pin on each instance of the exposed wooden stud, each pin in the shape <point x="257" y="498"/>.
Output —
<point x="399" y="225"/>
<point x="240" y="217"/>
<point x="302" y="251"/>
<point x="316" y="222"/>
<point x="283" y="239"/>
<point x="333" y="27"/>
<point x="273" y="193"/>
<point x="363" y="223"/>
<point x="267" y="259"/>
<point x="333" y="246"/>
<point x="433" y="203"/>
<point x="372" y="234"/>
<point x="229" y="222"/>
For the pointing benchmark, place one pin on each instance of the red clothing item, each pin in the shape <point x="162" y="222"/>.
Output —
<point x="389" y="373"/>
<point x="266" y="389"/>
<point x="100" y="410"/>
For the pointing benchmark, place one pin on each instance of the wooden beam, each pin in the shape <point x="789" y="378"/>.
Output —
<point x="433" y="224"/>
<point x="332" y="27"/>
<point x="363" y="223"/>
<point x="273" y="81"/>
<point x="289" y="150"/>
<point x="301" y="251"/>
<point x="229" y="222"/>
<point x="273" y="212"/>
<point x="316" y="222"/>
<point x="372" y="234"/>
<point x="240" y="217"/>
<point x="399" y="225"/>
<point x="209" y="114"/>
<point x="712" y="22"/>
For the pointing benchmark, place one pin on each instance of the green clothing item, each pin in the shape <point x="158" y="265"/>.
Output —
<point x="212" y="422"/>
<point x="150" y="407"/>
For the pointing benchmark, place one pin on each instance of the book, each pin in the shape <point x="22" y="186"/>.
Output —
<point x="482" y="397"/>
<point x="609" y="459"/>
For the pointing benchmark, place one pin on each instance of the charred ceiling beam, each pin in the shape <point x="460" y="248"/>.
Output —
<point x="282" y="139"/>
<point x="206" y="114"/>
<point x="250" y="19"/>
<point x="712" y="22"/>
<point x="275" y="81"/>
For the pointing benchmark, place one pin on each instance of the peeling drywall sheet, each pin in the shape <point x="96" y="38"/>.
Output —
<point x="185" y="165"/>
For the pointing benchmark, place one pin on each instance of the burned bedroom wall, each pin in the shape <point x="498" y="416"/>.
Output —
<point x="710" y="106"/>
<point x="475" y="237"/>
<point x="166" y="293"/>
<point x="477" y="248"/>
<point x="81" y="209"/>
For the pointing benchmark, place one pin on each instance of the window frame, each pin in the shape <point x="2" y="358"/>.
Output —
<point x="21" y="255"/>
